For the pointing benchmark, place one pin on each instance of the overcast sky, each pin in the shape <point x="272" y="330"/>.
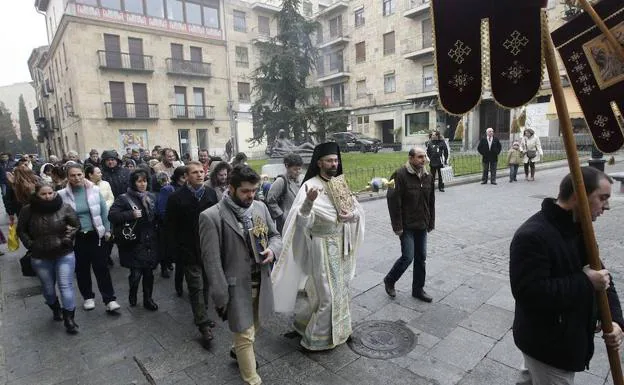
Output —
<point x="21" y="30"/>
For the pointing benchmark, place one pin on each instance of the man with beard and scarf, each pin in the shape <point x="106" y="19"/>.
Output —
<point x="238" y="264"/>
<point x="182" y="233"/>
<point x="321" y="243"/>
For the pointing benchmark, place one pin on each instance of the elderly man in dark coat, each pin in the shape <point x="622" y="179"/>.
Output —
<point x="238" y="264"/>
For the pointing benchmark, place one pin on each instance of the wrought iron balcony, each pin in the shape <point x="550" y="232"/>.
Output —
<point x="188" y="67"/>
<point x="125" y="61"/>
<point x="191" y="112"/>
<point x="131" y="111"/>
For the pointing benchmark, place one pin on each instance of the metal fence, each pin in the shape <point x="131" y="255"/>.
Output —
<point x="463" y="163"/>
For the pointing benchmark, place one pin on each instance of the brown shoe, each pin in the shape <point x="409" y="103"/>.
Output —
<point x="206" y="336"/>
<point x="389" y="288"/>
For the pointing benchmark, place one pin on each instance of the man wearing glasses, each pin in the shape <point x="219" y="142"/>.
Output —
<point x="412" y="212"/>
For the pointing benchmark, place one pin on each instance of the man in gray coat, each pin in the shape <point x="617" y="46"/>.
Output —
<point x="238" y="242"/>
<point x="284" y="190"/>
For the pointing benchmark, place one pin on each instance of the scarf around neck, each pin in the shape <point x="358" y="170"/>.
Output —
<point x="146" y="200"/>
<point x="413" y="171"/>
<point x="243" y="214"/>
<point x="46" y="207"/>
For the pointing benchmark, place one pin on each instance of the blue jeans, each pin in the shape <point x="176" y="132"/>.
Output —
<point x="413" y="248"/>
<point x="61" y="271"/>
<point x="513" y="172"/>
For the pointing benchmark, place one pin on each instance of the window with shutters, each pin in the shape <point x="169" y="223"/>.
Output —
<point x="135" y="48"/>
<point x="244" y="92"/>
<point x="428" y="81"/>
<point x="360" y="52"/>
<point x="389" y="83"/>
<point x="242" y="57"/>
<point x="196" y="55"/>
<point x="240" y="23"/>
<point x="335" y="27"/>
<point x="427" y="33"/>
<point x="359" y="17"/>
<point x="388" y="43"/>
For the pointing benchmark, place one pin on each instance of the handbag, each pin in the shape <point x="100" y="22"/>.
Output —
<point x="531" y="154"/>
<point x="13" y="242"/>
<point x="26" y="265"/>
<point x="124" y="235"/>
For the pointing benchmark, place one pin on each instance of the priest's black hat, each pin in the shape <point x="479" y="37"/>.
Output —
<point x="321" y="150"/>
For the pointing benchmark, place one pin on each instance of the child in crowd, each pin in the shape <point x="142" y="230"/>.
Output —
<point x="514" y="158"/>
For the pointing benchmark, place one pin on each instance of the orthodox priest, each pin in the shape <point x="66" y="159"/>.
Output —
<point x="322" y="233"/>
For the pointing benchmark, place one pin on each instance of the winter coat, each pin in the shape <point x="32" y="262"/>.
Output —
<point x="556" y="309"/>
<point x="144" y="253"/>
<point x="182" y="223"/>
<point x="412" y="201"/>
<point x="96" y="209"/>
<point x="226" y="258"/>
<point x="48" y="228"/>
<point x="532" y="143"/>
<point x="89" y="162"/>
<point x="514" y="156"/>
<point x="489" y="154"/>
<point x="280" y="198"/>
<point x="437" y="151"/>
<point x="4" y="167"/>
<point x="163" y="197"/>
<point x="118" y="177"/>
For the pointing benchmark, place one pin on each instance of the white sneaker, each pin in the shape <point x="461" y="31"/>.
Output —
<point x="112" y="306"/>
<point x="89" y="304"/>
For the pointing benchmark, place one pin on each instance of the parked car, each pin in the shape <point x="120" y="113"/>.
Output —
<point x="355" y="141"/>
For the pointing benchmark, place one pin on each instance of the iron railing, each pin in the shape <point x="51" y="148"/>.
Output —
<point x="198" y="112"/>
<point x="131" y="110"/>
<point x="188" y="67"/>
<point x="125" y="61"/>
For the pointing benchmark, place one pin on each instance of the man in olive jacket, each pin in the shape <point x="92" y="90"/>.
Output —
<point x="238" y="270"/>
<point x="412" y="213"/>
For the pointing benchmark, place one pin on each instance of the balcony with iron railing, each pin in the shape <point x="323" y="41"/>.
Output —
<point x="188" y="68"/>
<point x="138" y="111"/>
<point x="331" y="38"/>
<point x="191" y="112"/>
<point x="417" y="47"/>
<point x="332" y="72"/>
<point x="415" y="8"/>
<point x="424" y="87"/>
<point x="123" y="61"/>
<point x="331" y="6"/>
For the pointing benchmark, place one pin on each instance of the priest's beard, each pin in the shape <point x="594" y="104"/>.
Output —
<point x="241" y="203"/>
<point x="330" y="172"/>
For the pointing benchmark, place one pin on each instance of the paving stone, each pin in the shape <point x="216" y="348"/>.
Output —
<point x="366" y="280"/>
<point x="358" y="313"/>
<point x="178" y="378"/>
<point x="213" y="372"/>
<point x="506" y="352"/>
<point x="366" y="371"/>
<point x="125" y="372"/>
<point x="439" y="372"/>
<point x="489" y="372"/>
<point x="440" y="320"/>
<point x="373" y="300"/>
<point x="334" y="359"/>
<point x="170" y="361"/>
<point x="503" y="299"/>
<point x="295" y="366"/>
<point x="326" y="377"/>
<point x="141" y="347"/>
<point x="588" y="379"/>
<point x="462" y="348"/>
<point x="469" y="297"/>
<point x="599" y="364"/>
<point x="489" y="321"/>
<point x="447" y="280"/>
<point x="394" y="312"/>
<point x="272" y="347"/>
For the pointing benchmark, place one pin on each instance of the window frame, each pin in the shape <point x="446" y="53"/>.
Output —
<point x="386" y="51"/>
<point x="388" y="7"/>
<point x="387" y="78"/>
<point x="238" y="89"/>
<point x="360" y="58"/>
<point x="239" y="51"/>
<point x="236" y="15"/>
<point x="361" y="18"/>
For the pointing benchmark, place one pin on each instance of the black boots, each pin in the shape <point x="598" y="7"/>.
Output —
<point x="148" y="287"/>
<point x="68" y="320"/>
<point x="56" y="311"/>
<point x="441" y="187"/>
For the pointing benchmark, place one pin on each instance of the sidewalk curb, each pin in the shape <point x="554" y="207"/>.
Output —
<point x="471" y="178"/>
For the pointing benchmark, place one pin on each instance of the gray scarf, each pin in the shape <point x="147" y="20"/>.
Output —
<point x="243" y="214"/>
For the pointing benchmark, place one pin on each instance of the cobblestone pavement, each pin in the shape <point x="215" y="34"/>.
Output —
<point x="462" y="338"/>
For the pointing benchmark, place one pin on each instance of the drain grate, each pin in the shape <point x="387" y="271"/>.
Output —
<point x="382" y="339"/>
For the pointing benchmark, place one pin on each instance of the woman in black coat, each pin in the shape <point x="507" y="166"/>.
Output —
<point x="137" y="207"/>
<point x="438" y="157"/>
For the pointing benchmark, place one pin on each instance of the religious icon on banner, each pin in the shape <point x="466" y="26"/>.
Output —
<point x="514" y="31"/>
<point x="595" y="72"/>
<point x="259" y="238"/>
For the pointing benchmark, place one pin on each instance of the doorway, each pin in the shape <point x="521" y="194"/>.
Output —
<point x="387" y="131"/>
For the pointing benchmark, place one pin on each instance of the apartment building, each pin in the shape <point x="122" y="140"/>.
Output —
<point x="377" y="63"/>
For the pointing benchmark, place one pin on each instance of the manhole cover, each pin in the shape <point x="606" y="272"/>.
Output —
<point x="25" y="292"/>
<point x="382" y="339"/>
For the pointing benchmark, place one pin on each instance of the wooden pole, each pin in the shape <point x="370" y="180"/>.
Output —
<point x="583" y="202"/>
<point x="617" y="47"/>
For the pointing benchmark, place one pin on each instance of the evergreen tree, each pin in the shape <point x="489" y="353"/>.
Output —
<point x="8" y="138"/>
<point x="28" y="141"/>
<point x="284" y="98"/>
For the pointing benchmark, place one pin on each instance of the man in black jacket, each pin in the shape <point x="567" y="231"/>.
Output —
<point x="112" y="172"/>
<point x="182" y="228"/>
<point x="412" y="213"/>
<point x="554" y="288"/>
<point x="489" y="148"/>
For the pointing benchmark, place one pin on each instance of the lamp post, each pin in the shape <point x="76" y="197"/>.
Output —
<point x="233" y="126"/>
<point x="597" y="160"/>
